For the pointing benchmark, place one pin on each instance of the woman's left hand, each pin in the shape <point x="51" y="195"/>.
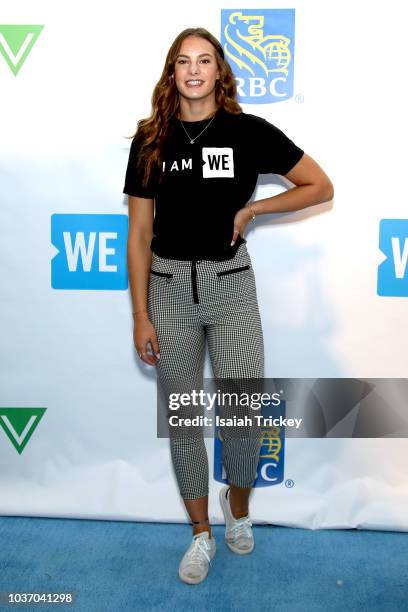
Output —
<point x="240" y="220"/>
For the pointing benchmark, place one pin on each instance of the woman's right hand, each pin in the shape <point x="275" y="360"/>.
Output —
<point x="144" y="332"/>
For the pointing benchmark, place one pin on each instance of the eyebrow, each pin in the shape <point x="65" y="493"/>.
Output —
<point x="201" y="55"/>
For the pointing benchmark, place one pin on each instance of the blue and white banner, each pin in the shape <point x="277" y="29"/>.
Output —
<point x="77" y="406"/>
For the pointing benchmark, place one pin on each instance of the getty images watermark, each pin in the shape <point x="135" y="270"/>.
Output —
<point x="301" y="407"/>
<point x="234" y="400"/>
<point x="240" y="407"/>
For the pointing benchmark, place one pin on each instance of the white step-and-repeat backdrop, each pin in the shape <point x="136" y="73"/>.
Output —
<point x="77" y="406"/>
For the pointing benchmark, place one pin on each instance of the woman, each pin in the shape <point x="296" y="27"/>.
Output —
<point x="195" y="161"/>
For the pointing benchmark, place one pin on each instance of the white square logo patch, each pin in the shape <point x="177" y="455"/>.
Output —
<point x="218" y="162"/>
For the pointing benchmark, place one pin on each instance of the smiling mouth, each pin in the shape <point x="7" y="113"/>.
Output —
<point x="194" y="83"/>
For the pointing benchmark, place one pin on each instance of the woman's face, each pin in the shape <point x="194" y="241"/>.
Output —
<point x="196" y="70"/>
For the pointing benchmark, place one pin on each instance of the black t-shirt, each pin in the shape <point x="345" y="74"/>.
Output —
<point x="204" y="184"/>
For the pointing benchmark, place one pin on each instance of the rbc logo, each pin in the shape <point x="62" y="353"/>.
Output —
<point x="271" y="458"/>
<point x="259" y="45"/>
<point x="91" y="251"/>
<point x="392" y="279"/>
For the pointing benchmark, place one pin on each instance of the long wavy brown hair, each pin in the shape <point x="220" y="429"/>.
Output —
<point x="154" y="130"/>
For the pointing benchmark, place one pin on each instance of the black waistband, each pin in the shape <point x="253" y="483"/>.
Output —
<point x="170" y="253"/>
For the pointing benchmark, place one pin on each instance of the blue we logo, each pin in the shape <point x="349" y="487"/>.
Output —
<point x="392" y="278"/>
<point x="91" y="251"/>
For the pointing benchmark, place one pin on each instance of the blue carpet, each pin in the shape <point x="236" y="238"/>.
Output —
<point x="115" y="566"/>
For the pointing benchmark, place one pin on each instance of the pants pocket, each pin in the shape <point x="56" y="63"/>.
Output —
<point x="167" y="275"/>
<point x="233" y="270"/>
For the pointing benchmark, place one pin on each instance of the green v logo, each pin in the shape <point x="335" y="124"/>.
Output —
<point x="16" y="42"/>
<point x="20" y="424"/>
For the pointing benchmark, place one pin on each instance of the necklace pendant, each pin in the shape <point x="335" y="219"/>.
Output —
<point x="191" y="141"/>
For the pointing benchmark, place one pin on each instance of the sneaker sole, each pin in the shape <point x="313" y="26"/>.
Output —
<point x="190" y="580"/>
<point x="237" y="551"/>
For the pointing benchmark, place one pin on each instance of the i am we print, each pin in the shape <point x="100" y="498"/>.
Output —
<point x="216" y="162"/>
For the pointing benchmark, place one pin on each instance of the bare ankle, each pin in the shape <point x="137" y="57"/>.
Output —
<point x="239" y="510"/>
<point x="237" y="514"/>
<point x="200" y="526"/>
<point x="200" y="529"/>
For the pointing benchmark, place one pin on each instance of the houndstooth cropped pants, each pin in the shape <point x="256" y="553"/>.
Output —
<point x="190" y="303"/>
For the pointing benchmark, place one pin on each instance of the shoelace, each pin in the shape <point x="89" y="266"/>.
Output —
<point x="200" y="546"/>
<point x="242" y="528"/>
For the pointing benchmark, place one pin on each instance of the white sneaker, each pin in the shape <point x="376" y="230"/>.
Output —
<point x="194" y="564"/>
<point x="238" y="532"/>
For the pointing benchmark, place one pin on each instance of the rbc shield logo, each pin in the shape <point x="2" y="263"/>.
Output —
<point x="271" y="458"/>
<point x="392" y="279"/>
<point x="259" y="45"/>
<point x="91" y="251"/>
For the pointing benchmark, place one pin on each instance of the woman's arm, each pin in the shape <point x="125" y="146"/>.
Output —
<point x="139" y="259"/>
<point x="312" y="186"/>
<point x="139" y="255"/>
